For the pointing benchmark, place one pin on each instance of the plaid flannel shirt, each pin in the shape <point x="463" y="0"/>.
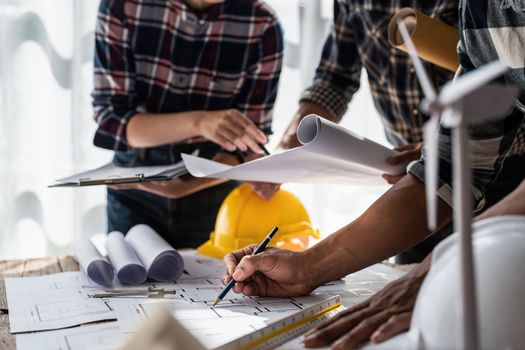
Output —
<point x="158" y="56"/>
<point x="358" y="39"/>
<point x="490" y="30"/>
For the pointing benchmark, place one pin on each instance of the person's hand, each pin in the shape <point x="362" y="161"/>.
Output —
<point x="407" y="154"/>
<point x="272" y="273"/>
<point x="231" y="130"/>
<point x="289" y="139"/>
<point x="265" y="190"/>
<point x="377" y="319"/>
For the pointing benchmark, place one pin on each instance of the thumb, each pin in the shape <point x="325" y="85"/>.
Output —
<point x="251" y="263"/>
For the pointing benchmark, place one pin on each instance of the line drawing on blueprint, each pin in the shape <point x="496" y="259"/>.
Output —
<point x="51" y="302"/>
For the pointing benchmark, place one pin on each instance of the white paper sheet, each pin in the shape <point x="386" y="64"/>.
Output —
<point x="110" y="170"/>
<point x="237" y="315"/>
<point x="95" y="265"/>
<point x="105" y="336"/>
<point x="213" y="326"/>
<point x="162" y="262"/>
<point x="125" y="261"/>
<point x="51" y="302"/>
<point x="330" y="154"/>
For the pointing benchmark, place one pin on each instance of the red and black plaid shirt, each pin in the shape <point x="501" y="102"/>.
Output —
<point x="157" y="56"/>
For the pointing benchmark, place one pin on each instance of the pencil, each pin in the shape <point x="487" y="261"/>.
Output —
<point x="260" y="248"/>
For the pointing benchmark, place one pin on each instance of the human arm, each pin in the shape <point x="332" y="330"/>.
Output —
<point x="393" y="223"/>
<point x="336" y="78"/>
<point x="389" y="311"/>
<point x="120" y="123"/>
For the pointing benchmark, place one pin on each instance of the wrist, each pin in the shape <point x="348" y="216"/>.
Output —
<point x="197" y="122"/>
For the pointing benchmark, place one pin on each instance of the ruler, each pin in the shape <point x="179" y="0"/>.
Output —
<point x="291" y="327"/>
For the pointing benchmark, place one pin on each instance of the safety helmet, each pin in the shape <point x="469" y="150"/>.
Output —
<point x="244" y="218"/>
<point x="499" y="257"/>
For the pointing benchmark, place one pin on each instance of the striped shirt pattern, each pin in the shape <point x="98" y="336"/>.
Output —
<point x="490" y="30"/>
<point x="358" y="39"/>
<point x="158" y="56"/>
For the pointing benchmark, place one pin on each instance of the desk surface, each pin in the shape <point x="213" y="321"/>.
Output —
<point x="24" y="268"/>
<point x="39" y="267"/>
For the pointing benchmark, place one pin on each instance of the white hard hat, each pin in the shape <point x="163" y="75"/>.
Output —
<point x="499" y="258"/>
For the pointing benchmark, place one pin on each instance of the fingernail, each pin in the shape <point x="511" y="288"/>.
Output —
<point x="376" y="336"/>
<point x="238" y="275"/>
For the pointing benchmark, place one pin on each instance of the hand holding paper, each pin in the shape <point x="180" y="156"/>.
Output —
<point x="330" y="154"/>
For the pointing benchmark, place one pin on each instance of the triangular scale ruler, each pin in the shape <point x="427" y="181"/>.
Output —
<point x="282" y="331"/>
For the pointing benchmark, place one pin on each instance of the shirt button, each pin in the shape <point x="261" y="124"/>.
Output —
<point x="412" y="70"/>
<point x="415" y="111"/>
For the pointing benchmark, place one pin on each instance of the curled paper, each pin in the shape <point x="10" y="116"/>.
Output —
<point x="435" y="41"/>
<point x="330" y="154"/>
<point x="161" y="261"/>
<point x="126" y="263"/>
<point x="94" y="265"/>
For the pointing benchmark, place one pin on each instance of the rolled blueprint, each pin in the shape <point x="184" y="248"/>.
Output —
<point x="94" y="265"/>
<point x="435" y="41"/>
<point x="319" y="135"/>
<point x="124" y="260"/>
<point x="161" y="261"/>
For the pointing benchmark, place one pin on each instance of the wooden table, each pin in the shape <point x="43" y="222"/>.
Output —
<point x="24" y="268"/>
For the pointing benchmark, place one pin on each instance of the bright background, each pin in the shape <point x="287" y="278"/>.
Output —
<point x="46" y="124"/>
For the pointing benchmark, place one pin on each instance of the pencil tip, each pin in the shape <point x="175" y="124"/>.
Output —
<point x="216" y="302"/>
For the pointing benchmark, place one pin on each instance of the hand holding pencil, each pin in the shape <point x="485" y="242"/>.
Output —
<point x="272" y="273"/>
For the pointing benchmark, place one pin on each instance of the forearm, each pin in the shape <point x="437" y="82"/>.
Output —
<point x="150" y="130"/>
<point x="395" y="222"/>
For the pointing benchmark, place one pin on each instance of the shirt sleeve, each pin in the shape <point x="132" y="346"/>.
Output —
<point x="258" y="93"/>
<point x="338" y="73"/>
<point x="114" y="99"/>
<point x="489" y="143"/>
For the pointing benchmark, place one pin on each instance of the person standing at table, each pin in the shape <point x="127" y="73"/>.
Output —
<point x="182" y="76"/>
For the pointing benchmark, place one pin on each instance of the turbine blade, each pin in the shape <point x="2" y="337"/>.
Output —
<point x="468" y="83"/>
<point x="422" y="75"/>
<point x="489" y="103"/>
<point x="431" y="139"/>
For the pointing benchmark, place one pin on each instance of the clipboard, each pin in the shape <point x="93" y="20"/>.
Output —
<point x="111" y="174"/>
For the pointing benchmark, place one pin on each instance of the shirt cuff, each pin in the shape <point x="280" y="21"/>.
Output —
<point x="325" y="95"/>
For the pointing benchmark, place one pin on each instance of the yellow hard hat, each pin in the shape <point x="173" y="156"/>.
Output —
<point x="244" y="218"/>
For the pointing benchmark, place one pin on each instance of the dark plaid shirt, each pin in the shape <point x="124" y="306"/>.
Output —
<point x="358" y="39"/>
<point x="157" y="56"/>
<point x="490" y="30"/>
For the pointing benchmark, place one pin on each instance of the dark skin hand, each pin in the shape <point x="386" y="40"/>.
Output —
<point x="377" y="319"/>
<point x="389" y="312"/>
<point x="407" y="153"/>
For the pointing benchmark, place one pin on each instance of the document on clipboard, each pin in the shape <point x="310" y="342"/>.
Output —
<point x="111" y="174"/>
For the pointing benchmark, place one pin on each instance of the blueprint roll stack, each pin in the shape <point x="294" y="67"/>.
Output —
<point x="142" y="254"/>
<point x="161" y="261"/>
<point x="92" y="262"/>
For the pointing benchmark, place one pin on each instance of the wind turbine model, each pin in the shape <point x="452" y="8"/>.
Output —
<point x="466" y="100"/>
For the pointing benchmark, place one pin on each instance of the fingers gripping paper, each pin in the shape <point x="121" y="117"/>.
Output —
<point x="330" y="154"/>
<point x="161" y="261"/>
